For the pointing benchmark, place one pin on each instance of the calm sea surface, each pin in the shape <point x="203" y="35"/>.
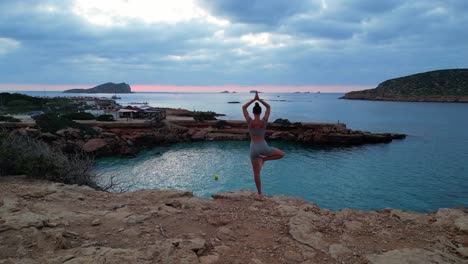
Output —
<point x="426" y="171"/>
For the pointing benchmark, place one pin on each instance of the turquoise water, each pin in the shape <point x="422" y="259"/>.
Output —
<point x="367" y="177"/>
<point x="426" y="171"/>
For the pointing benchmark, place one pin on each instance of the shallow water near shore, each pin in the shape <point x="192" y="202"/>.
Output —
<point x="426" y="171"/>
<point x="366" y="177"/>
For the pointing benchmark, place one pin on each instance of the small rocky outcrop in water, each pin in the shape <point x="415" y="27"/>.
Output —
<point x="104" y="88"/>
<point x="44" y="222"/>
<point x="126" y="139"/>
<point x="434" y="86"/>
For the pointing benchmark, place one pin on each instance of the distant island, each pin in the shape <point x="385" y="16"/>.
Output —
<point x="227" y="92"/>
<point x="449" y="85"/>
<point x="104" y="88"/>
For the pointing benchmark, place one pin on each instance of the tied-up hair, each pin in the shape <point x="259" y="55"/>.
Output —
<point x="257" y="109"/>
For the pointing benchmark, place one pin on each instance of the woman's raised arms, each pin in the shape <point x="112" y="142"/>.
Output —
<point x="244" y="110"/>
<point x="267" y="112"/>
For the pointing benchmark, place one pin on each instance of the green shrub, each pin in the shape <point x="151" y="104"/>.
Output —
<point x="21" y="103"/>
<point x="283" y="122"/>
<point x="220" y="124"/>
<point x="9" y="119"/>
<point x="60" y="105"/>
<point x="298" y="124"/>
<point x="204" y="116"/>
<point x="7" y="97"/>
<point x="41" y="167"/>
<point x="18" y="103"/>
<point x="105" y="118"/>
<point x="51" y="123"/>
<point x="8" y="160"/>
<point x="79" y="116"/>
<point x="25" y="155"/>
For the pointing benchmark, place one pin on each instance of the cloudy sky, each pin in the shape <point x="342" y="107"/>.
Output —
<point x="328" y="45"/>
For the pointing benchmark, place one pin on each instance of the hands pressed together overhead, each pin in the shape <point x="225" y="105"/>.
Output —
<point x="256" y="96"/>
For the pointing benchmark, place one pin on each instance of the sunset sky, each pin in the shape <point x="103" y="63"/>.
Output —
<point x="216" y="45"/>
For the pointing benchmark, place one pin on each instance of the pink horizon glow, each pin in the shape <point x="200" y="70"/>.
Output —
<point x="189" y="88"/>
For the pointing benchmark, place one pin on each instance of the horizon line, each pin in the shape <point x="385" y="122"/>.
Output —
<point x="196" y="88"/>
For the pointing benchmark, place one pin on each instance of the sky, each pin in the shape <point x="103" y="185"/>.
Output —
<point x="216" y="45"/>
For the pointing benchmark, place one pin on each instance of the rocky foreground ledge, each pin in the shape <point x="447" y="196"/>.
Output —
<point x="43" y="222"/>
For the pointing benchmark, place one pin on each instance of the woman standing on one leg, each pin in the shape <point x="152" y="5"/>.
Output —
<point x="259" y="149"/>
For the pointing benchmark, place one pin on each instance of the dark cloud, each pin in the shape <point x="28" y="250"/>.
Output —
<point x="418" y="23"/>
<point x="267" y="42"/>
<point x="320" y="28"/>
<point x="370" y="6"/>
<point x="269" y="12"/>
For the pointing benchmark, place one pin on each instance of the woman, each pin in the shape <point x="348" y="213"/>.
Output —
<point x="259" y="149"/>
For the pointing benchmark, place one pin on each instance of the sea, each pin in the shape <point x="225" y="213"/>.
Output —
<point x="426" y="171"/>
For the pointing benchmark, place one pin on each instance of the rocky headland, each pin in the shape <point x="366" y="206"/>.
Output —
<point x="45" y="222"/>
<point x="435" y="86"/>
<point x="104" y="88"/>
<point x="127" y="138"/>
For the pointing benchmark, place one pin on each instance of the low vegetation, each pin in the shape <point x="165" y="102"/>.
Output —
<point x="221" y="124"/>
<point x="20" y="103"/>
<point x="105" y="118"/>
<point x="451" y="82"/>
<point x="52" y="123"/>
<point x="23" y="155"/>
<point x="298" y="124"/>
<point x="8" y="119"/>
<point x="204" y="116"/>
<point x="79" y="116"/>
<point x="283" y="122"/>
<point x="15" y="103"/>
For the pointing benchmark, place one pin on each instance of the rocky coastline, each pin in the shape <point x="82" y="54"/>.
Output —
<point x="447" y="86"/>
<point x="128" y="138"/>
<point x="45" y="222"/>
<point x="434" y="99"/>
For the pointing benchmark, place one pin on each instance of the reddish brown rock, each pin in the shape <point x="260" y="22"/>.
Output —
<point x="200" y="135"/>
<point x="94" y="145"/>
<point x="126" y="139"/>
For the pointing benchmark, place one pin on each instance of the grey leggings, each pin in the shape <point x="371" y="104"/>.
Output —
<point x="259" y="149"/>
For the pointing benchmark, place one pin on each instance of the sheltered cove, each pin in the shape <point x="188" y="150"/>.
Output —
<point x="58" y="223"/>
<point x="127" y="138"/>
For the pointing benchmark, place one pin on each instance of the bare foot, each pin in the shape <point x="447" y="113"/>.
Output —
<point x="260" y="197"/>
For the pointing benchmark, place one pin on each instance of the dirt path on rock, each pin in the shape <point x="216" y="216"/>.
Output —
<point x="43" y="222"/>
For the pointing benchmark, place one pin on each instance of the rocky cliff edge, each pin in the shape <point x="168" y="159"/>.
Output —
<point x="44" y="222"/>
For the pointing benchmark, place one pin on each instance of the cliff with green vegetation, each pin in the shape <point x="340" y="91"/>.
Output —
<point x="104" y="88"/>
<point x="15" y="103"/>
<point x="434" y="86"/>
